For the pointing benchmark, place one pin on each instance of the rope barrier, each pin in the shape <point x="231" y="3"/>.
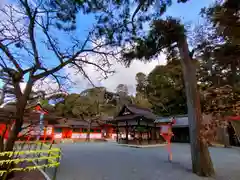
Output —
<point x="50" y="155"/>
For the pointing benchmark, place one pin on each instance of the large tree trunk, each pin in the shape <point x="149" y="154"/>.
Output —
<point x="16" y="127"/>
<point x="13" y="134"/>
<point x="20" y="109"/>
<point x="201" y="160"/>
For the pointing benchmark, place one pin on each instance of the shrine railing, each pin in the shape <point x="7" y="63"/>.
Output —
<point x="29" y="156"/>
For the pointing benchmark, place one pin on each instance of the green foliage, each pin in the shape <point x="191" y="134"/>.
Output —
<point x="90" y="104"/>
<point x="123" y="97"/>
<point x="165" y="89"/>
<point x="225" y="17"/>
<point x="164" y="34"/>
<point x="116" y="20"/>
<point x="141" y="79"/>
<point x="44" y="102"/>
<point x="141" y="101"/>
<point x="220" y="51"/>
<point x="222" y="101"/>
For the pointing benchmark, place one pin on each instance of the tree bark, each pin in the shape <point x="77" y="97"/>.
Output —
<point x="88" y="131"/>
<point x="201" y="160"/>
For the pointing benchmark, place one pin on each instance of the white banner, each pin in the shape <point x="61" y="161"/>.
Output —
<point x="84" y="135"/>
<point x="75" y="135"/>
<point x="59" y="135"/>
<point x="96" y="136"/>
<point x="114" y="136"/>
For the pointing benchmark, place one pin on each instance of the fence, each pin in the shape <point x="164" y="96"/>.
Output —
<point x="28" y="156"/>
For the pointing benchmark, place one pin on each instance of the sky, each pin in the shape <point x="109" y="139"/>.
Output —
<point x="188" y="12"/>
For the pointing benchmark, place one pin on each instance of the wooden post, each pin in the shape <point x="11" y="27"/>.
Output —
<point x="56" y="168"/>
<point x="148" y="134"/>
<point x="41" y="146"/>
<point x="45" y="134"/>
<point x="126" y="128"/>
<point x="117" y="131"/>
<point x="44" y="169"/>
<point x="134" y="134"/>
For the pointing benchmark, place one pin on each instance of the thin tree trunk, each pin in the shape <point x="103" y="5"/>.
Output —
<point x="201" y="160"/>
<point x="88" y="131"/>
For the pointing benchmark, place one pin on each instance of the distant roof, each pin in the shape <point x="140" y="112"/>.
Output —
<point x="163" y="120"/>
<point x="136" y="111"/>
<point x="180" y="120"/>
<point x="69" y="122"/>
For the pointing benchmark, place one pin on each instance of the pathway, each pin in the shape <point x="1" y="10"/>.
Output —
<point x="107" y="161"/>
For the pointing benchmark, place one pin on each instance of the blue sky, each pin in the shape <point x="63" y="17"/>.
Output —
<point x="188" y="12"/>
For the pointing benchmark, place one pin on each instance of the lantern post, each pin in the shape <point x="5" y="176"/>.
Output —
<point x="167" y="134"/>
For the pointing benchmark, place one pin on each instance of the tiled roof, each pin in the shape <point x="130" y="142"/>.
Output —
<point x="137" y="111"/>
<point x="181" y="120"/>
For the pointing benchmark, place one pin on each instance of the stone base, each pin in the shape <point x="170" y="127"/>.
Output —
<point x="143" y="146"/>
<point x="141" y="142"/>
<point x="57" y="141"/>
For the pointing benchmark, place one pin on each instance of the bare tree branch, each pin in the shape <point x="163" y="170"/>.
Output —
<point x="32" y="17"/>
<point x="10" y="56"/>
<point x="84" y="73"/>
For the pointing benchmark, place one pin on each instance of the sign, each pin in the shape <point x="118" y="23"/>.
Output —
<point x="49" y="130"/>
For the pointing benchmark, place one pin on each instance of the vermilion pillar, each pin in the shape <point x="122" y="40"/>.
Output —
<point x="110" y="130"/>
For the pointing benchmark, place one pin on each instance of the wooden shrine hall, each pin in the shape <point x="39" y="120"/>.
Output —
<point x="135" y="125"/>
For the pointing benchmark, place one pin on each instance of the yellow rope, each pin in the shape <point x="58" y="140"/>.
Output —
<point x="53" y="157"/>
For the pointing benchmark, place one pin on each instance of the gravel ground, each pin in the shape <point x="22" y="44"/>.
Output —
<point x="33" y="175"/>
<point x="108" y="161"/>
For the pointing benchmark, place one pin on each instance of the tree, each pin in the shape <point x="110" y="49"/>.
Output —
<point x="225" y="18"/>
<point x="122" y="90"/>
<point x="165" y="89"/>
<point x="219" y="50"/>
<point x="141" y="101"/>
<point x="30" y="36"/>
<point x="224" y="38"/>
<point x="170" y="34"/>
<point x="123" y="96"/>
<point x="90" y="106"/>
<point x="142" y="83"/>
